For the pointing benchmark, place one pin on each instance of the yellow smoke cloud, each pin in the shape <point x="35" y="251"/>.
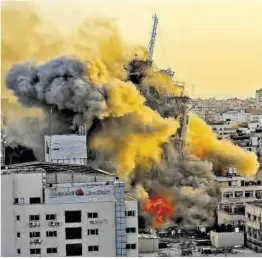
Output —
<point x="203" y="143"/>
<point x="132" y="147"/>
<point x="162" y="83"/>
<point x="98" y="42"/>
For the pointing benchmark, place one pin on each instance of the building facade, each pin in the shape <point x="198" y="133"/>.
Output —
<point x="235" y="192"/>
<point x="40" y="218"/>
<point x="253" y="216"/>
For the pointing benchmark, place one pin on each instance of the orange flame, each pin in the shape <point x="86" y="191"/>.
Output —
<point x="161" y="208"/>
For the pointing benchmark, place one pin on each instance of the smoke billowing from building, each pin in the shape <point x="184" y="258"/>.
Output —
<point x="131" y="128"/>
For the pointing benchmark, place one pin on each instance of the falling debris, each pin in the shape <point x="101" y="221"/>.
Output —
<point x="136" y="118"/>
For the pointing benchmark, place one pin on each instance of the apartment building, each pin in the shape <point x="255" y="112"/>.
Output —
<point x="254" y="225"/>
<point x="45" y="214"/>
<point x="235" y="192"/>
<point x="223" y="129"/>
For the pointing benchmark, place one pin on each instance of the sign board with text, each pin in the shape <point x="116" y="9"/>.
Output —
<point x="79" y="194"/>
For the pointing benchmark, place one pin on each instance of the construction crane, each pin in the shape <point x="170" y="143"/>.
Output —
<point x="152" y="41"/>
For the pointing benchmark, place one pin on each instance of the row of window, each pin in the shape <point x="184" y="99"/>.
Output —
<point x="32" y="200"/>
<point x="130" y="246"/>
<point x="130" y="213"/>
<point x="73" y="231"/>
<point x="53" y="250"/>
<point x="73" y="216"/>
<point x="70" y="216"/>
<point x="242" y="194"/>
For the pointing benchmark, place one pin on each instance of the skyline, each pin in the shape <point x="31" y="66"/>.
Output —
<point x="212" y="45"/>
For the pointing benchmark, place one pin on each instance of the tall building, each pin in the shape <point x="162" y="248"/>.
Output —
<point x="46" y="214"/>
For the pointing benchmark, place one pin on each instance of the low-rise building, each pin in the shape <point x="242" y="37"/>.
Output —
<point x="253" y="216"/>
<point x="148" y="243"/>
<point x="46" y="214"/>
<point x="226" y="239"/>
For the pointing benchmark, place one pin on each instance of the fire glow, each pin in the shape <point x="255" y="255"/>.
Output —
<point x="161" y="208"/>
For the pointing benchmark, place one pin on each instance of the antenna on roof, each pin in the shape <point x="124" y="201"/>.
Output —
<point x="153" y="38"/>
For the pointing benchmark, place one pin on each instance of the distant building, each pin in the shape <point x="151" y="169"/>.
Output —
<point x="259" y="95"/>
<point x="234" y="115"/>
<point x="235" y="192"/>
<point x="254" y="225"/>
<point x="46" y="214"/>
<point x="222" y="129"/>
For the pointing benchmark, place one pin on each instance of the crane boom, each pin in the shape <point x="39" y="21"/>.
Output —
<point x="153" y="38"/>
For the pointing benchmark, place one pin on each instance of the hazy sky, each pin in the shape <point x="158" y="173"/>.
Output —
<point x="215" y="45"/>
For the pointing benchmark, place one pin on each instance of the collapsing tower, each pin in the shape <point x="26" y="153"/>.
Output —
<point x="136" y="70"/>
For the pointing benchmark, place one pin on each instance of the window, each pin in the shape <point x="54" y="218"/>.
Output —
<point x="51" y="233"/>
<point x="93" y="248"/>
<point x="92" y="215"/>
<point x="238" y="194"/>
<point x="249" y="194"/>
<point x="34" y="217"/>
<point x="51" y="250"/>
<point x="130" y="213"/>
<point x="227" y="195"/>
<point x="35" y="200"/>
<point x="73" y="233"/>
<point x="34" y="234"/>
<point x="18" y="251"/>
<point x="35" y="251"/>
<point x="72" y="216"/>
<point x="15" y="200"/>
<point x="130" y="230"/>
<point x="130" y="246"/>
<point x="92" y="232"/>
<point x="50" y="216"/>
<point x="17" y="217"/>
<point x="73" y="249"/>
<point x="18" y="234"/>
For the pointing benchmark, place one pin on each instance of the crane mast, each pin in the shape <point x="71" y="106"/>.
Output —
<point x="153" y="38"/>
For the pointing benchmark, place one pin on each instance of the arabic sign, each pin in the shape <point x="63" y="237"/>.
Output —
<point x="79" y="194"/>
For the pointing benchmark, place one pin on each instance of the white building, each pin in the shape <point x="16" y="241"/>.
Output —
<point x="44" y="217"/>
<point x="235" y="192"/>
<point x="66" y="149"/>
<point x="254" y="225"/>
<point x="234" y="116"/>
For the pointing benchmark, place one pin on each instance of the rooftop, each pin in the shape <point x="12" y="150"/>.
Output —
<point x="55" y="168"/>
<point x="256" y="203"/>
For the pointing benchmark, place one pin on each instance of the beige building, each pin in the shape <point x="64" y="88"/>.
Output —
<point x="235" y="192"/>
<point x="253" y="215"/>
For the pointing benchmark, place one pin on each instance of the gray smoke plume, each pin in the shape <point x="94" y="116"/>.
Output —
<point x="61" y="85"/>
<point x="58" y="85"/>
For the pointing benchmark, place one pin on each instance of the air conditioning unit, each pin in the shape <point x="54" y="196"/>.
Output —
<point x="58" y="223"/>
<point x="52" y="223"/>
<point x="32" y="224"/>
<point x="38" y="240"/>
